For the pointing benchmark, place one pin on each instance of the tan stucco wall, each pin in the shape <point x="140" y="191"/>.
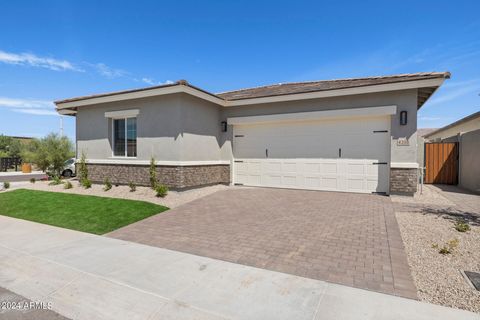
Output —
<point x="469" y="158"/>
<point x="471" y="125"/>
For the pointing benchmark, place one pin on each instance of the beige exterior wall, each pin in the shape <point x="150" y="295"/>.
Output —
<point x="470" y="125"/>
<point x="470" y="161"/>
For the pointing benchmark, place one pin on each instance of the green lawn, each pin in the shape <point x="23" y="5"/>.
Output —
<point x="91" y="214"/>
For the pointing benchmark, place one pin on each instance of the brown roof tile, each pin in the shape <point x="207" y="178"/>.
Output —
<point x="323" y="85"/>
<point x="286" y="88"/>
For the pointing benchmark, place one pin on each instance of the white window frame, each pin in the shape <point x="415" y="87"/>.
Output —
<point x="126" y="134"/>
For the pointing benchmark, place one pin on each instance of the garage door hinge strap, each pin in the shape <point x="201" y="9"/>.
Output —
<point x="379" y="131"/>
<point x="238" y="184"/>
<point x="380" y="163"/>
<point x="240" y="161"/>
<point x="239" y="136"/>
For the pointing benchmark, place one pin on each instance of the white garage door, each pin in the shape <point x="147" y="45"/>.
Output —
<point x="349" y="155"/>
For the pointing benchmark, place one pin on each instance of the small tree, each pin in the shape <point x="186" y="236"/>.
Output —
<point x="82" y="168"/>
<point x="9" y="147"/>
<point x="153" y="174"/>
<point x="49" y="153"/>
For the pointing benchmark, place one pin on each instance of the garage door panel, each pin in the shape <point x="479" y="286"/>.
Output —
<point x="306" y="155"/>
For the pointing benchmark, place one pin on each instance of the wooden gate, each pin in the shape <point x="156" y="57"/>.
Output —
<point x="441" y="162"/>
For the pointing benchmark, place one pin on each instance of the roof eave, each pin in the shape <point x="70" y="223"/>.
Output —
<point x="183" y="87"/>
<point x="414" y="84"/>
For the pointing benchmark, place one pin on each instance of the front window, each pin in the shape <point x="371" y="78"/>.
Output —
<point x="125" y="137"/>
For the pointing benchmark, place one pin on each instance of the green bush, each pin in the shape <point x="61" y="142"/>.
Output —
<point x="6" y="185"/>
<point x="107" y="185"/>
<point x="55" y="181"/>
<point x="462" y="226"/>
<point x="48" y="153"/>
<point x="132" y="186"/>
<point x="153" y="174"/>
<point x="9" y="147"/>
<point x="82" y="168"/>
<point x="161" y="190"/>
<point x="33" y="180"/>
<point x="449" y="247"/>
<point x="86" y="183"/>
<point x="68" y="185"/>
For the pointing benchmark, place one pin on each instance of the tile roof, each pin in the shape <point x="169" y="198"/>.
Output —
<point x="287" y="88"/>
<point x="324" y="85"/>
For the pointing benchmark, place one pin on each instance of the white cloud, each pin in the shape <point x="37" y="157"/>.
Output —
<point x="32" y="60"/>
<point x="152" y="82"/>
<point x="109" y="72"/>
<point x="149" y="81"/>
<point x="30" y="106"/>
<point x="29" y="59"/>
<point x="38" y="112"/>
<point x="455" y="90"/>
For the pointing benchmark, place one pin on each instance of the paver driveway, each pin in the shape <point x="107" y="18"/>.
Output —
<point x="351" y="239"/>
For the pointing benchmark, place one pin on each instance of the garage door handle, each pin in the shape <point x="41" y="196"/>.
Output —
<point x="339" y="152"/>
<point x="380" y="163"/>
<point x="266" y="153"/>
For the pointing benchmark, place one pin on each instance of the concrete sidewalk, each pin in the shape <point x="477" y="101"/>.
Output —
<point x="92" y="277"/>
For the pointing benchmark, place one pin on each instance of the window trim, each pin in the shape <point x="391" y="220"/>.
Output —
<point x="125" y="156"/>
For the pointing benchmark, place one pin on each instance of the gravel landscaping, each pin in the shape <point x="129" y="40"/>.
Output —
<point x="172" y="200"/>
<point x="427" y="223"/>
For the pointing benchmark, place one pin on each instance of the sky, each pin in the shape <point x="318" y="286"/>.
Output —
<point x="50" y="50"/>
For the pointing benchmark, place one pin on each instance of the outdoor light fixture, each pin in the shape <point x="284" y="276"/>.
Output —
<point x="403" y="118"/>
<point x="224" y="126"/>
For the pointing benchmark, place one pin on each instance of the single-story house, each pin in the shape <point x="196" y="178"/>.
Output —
<point x="352" y="135"/>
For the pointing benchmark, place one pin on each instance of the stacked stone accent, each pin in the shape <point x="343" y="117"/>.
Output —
<point x="403" y="180"/>
<point x="175" y="177"/>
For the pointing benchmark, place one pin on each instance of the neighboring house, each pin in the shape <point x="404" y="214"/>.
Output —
<point x="466" y="132"/>
<point x="354" y="135"/>
<point x="452" y="131"/>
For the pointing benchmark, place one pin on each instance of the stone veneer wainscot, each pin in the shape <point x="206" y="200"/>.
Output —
<point x="403" y="180"/>
<point x="175" y="177"/>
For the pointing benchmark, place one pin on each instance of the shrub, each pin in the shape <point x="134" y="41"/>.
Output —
<point x="107" y="185"/>
<point x="48" y="153"/>
<point x="68" y="185"/>
<point x="462" y="226"/>
<point x="449" y="247"/>
<point x="55" y="181"/>
<point x="33" y="180"/>
<point x="82" y="168"/>
<point x="161" y="190"/>
<point x="132" y="186"/>
<point x="6" y="185"/>
<point x="87" y="184"/>
<point x="153" y="174"/>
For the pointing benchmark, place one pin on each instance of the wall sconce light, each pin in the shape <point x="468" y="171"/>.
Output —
<point x="224" y="126"/>
<point x="403" y="118"/>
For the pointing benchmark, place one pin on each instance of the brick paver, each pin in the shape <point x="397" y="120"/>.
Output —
<point x="351" y="239"/>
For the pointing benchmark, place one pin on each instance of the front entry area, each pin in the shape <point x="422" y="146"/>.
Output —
<point x="347" y="154"/>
